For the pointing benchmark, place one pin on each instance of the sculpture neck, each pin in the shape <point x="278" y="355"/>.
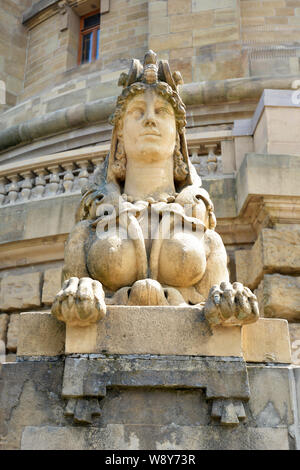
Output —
<point x="149" y="180"/>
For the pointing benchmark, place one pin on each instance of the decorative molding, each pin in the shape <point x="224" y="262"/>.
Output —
<point x="86" y="379"/>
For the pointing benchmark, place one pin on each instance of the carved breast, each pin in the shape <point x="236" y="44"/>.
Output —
<point x="178" y="260"/>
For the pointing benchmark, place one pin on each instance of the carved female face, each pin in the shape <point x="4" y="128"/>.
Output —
<point x="149" y="128"/>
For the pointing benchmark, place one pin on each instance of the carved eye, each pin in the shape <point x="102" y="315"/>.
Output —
<point x="161" y="110"/>
<point x="138" y="113"/>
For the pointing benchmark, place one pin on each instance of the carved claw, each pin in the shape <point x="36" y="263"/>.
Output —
<point x="80" y="302"/>
<point x="231" y="304"/>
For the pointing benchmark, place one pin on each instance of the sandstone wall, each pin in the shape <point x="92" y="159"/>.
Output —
<point x="13" y="47"/>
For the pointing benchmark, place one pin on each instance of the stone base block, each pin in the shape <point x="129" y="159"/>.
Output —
<point x="40" y="334"/>
<point x="154" y="330"/>
<point x="267" y="340"/>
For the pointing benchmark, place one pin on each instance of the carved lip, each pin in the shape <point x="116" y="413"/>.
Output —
<point x="151" y="133"/>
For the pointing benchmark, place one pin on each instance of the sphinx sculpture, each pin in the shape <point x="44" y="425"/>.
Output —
<point x="145" y="232"/>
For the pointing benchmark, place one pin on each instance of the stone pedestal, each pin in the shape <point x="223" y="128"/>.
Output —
<point x="150" y="378"/>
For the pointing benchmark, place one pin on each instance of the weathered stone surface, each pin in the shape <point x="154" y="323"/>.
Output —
<point x="276" y="250"/>
<point x="267" y="340"/>
<point x="279" y="296"/>
<point x="30" y="396"/>
<point x="3" y="326"/>
<point x="271" y="403"/>
<point x="154" y="330"/>
<point x="18" y="292"/>
<point x="220" y="377"/>
<point x="10" y="357"/>
<point x="143" y="418"/>
<point x="52" y="284"/>
<point x="294" y="329"/>
<point x="40" y="334"/>
<point x="282" y="172"/>
<point x="133" y="437"/>
<point x="13" y="332"/>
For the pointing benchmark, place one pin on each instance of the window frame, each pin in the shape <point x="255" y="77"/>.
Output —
<point x="83" y="32"/>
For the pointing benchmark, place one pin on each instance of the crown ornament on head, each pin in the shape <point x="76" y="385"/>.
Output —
<point x="150" y="72"/>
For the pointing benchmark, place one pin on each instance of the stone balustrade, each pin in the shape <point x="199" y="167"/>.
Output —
<point x="56" y="175"/>
<point x="212" y="154"/>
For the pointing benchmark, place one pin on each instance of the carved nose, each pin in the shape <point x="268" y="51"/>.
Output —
<point x="149" y="119"/>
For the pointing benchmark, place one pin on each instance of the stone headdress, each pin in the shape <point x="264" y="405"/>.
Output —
<point x="156" y="75"/>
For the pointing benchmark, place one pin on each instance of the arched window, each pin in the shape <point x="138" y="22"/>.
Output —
<point x="89" y="37"/>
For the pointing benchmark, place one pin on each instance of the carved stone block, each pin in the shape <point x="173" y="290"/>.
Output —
<point x="13" y="332"/>
<point x="52" y="284"/>
<point x="40" y="334"/>
<point x="279" y="296"/>
<point x="20" y="292"/>
<point x="154" y="330"/>
<point x="274" y="251"/>
<point x="267" y="340"/>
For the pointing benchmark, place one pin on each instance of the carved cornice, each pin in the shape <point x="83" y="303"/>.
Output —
<point x="44" y="9"/>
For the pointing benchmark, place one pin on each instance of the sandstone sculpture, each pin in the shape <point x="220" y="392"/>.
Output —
<point x="144" y="233"/>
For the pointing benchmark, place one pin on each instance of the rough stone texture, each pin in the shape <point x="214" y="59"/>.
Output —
<point x="274" y="134"/>
<point x="267" y="340"/>
<point x="282" y="172"/>
<point x="279" y="296"/>
<point x="154" y="330"/>
<point x="3" y="326"/>
<point x="172" y="437"/>
<point x="29" y="395"/>
<point x="276" y="250"/>
<point x="51" y="286"/>
<point x="294" y="329"/>
<point x="19" y="292"/>
<point x="272" y="401"/>
<point x="40" y="334"/>
<point x="32" y="414"/>
<point x="13" y="332"/>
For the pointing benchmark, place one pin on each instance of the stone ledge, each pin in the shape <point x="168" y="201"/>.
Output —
<point x="154" y="330"/>
<point x="178" y="331"/>
<point x="37" y="8"/>
<point x="197" y="93"/>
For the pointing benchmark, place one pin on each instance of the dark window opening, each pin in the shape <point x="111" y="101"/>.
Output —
<point x="89" y="38"/>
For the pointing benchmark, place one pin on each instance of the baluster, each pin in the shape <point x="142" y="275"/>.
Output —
<point x="83" y="176"/>
<point x="13" y="189"/>
<point x="212" y="161"/>
<point x="68" y="177"/>
<point x="195" y="159"/>
<point x="2" y="189"/>
<point x="53" y="185"/>
<point x="26" y="185"/>
<point x="98" y="173"/>
<point x="40" y="183"/>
